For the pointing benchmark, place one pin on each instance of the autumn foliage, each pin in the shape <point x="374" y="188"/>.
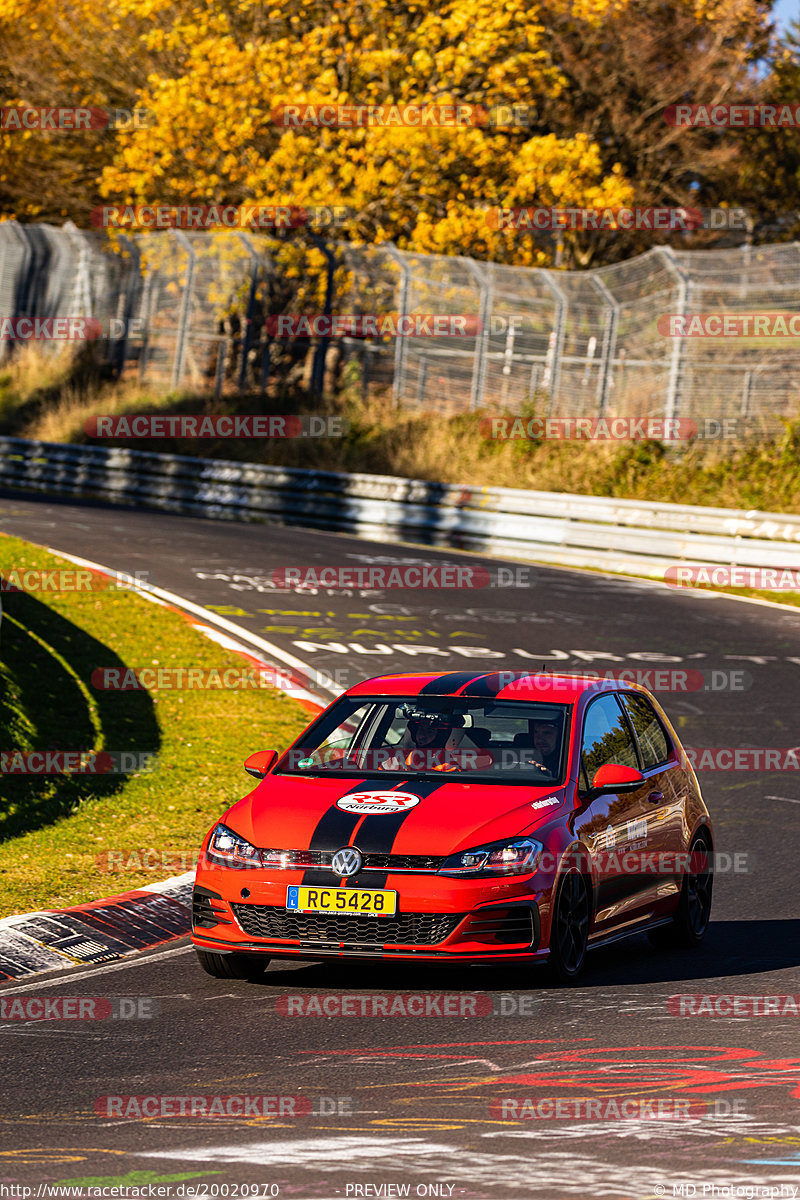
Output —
<point x="596" y="75"/>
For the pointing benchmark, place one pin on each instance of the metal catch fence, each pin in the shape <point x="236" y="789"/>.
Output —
<point x="189" y="310"/>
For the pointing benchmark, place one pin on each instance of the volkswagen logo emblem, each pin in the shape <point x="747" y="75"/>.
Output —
<point x="347" y="861"/>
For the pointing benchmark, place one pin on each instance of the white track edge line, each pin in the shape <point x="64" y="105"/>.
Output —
<point x="133" y="959"/>
<point x="210" y="618"/>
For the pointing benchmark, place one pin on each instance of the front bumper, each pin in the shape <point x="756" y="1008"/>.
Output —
<point x="439" y="920"/>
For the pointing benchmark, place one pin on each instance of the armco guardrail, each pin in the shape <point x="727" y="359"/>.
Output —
<point x="551" y="527"/>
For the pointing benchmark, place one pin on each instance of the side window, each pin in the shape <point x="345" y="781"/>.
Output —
<point x="649" y="731"/>
<point x="606" y="737"/>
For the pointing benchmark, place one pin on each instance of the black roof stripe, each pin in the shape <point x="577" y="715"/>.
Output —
<point x="447" y="685"/>
<point x="494" y="682"/>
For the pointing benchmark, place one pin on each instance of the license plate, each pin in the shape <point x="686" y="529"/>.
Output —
<point x="347" y="901"/>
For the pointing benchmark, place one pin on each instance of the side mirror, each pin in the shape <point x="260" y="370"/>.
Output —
<point x="615" y="778"/>
<point x="261" y="763"/>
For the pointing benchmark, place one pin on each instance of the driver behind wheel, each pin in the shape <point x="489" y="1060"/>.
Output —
<point x="430" y="742"/>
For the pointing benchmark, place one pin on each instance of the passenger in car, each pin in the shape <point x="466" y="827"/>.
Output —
<point x="545" y="750"/>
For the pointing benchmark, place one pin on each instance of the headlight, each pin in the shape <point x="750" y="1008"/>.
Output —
<point x="519" y="857"/>
<point x="232" y="850"/>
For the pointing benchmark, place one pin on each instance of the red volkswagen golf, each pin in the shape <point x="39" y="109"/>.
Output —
<point x="458" y="818"/>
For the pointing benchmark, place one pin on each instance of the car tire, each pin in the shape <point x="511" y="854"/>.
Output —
<point x="232" y="966"/>
<point x="569" y="931"/>
<point x="690" y="923"/>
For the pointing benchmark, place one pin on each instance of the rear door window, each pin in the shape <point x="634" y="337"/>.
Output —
<point x="649" y="730"/>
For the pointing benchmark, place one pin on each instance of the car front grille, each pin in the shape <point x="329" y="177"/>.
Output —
<point x="402" y="862"/>
<point x="405" y="929"/>
<point x="372" y="862"/>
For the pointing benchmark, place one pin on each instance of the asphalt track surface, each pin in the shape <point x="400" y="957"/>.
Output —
<point x="412" y="1096"/>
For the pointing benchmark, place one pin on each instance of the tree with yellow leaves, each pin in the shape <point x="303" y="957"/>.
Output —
<point x="214" y="74"/>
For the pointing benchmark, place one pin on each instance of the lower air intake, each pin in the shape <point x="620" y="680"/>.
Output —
<point x="503" y="926"/>
<point x="406" y="929"/>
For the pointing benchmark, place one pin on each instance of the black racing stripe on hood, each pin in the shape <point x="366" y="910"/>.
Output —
<point x="448" y="684"/>
<point x="334" y="830"/>
<point x="377" y="834"/>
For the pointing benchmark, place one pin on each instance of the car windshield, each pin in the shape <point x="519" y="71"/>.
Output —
<point x="469" y="738"/>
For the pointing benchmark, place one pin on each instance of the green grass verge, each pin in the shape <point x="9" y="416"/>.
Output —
<point x="53" y="829"/>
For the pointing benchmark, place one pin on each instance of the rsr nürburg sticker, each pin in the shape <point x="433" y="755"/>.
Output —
<point x="376" y="803"/>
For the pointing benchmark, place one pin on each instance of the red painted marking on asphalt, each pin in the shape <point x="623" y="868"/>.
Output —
<point x="610" y="1068"/>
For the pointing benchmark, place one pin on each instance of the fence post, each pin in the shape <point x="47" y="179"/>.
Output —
<point x="399" y="380"/>
<point x="747" y="391"/>
<point x="80" y="301"/>
<point x="508" y="360"/>
<point x="255" y="268"/>
<point x="609" y="345"/>
<point x="222" y="355"/>
<point x="265" y="365"/>
<point x="480" y="275"/>
<point x="183" y="319"/>
<point x="128" y="300"/>
<point x="422" y="379"/>
<point x="318" y="366"/>
<point x="555" y="351"/>
<point x="146" y="313"/>
<point x="678" y="352"/>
